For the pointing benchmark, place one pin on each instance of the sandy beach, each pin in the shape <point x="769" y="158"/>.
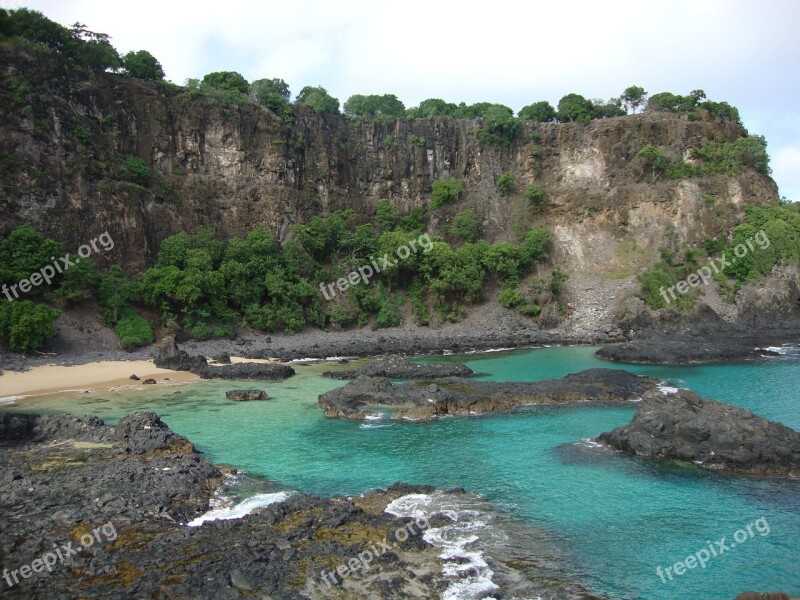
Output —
<point x="97" y="376"/>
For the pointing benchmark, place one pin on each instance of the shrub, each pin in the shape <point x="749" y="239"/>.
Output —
<point x="374" y="105"/>
<point x="446" y="191"/>
<point x="133" y="330"/>
<point x="136" y="170"/>
<point x="25" y="325"/>
<point x="506" y="184"/>
<point x="385" y="216"/>
<point x="466" y="226"/>
<point x="534" y="194"/>
<point x="734" y="157"/>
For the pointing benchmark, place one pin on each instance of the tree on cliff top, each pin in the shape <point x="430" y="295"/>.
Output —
<point x="142" y="65"/>
<point x="318" y="99"/>
<point x="374" y="105"/>
<point x="274" y="94"/>
<point x="540" y="112"/>
<point x="227" y="81"/>
<point x="633" y="97"/>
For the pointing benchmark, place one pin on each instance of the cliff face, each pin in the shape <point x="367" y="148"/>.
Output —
<point x="64" y="139"/>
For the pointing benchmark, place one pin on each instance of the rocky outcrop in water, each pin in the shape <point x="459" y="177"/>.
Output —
<point x="400" y="367"/>
<point x="246" y="395"/>
<point x="712" y="434"/>
<point x="677" y="349"/>
<point x="423" y="400"/>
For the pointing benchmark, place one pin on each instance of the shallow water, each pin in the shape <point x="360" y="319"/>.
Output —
<point x="616" y="518"/>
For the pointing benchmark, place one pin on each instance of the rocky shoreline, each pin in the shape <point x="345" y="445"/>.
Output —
<point x="106" y="508"/>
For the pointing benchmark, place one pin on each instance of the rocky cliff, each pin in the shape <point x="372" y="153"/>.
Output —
<point x="65" y="137"/>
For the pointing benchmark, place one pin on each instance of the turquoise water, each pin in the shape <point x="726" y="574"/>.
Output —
<point x="618" y="518"/>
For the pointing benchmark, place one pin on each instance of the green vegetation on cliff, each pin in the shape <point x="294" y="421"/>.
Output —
<point x="768" y="236"/>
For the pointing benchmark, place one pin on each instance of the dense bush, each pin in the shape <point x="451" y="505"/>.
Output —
<point x="136" y="170"/>
<point x="432" y="107"/>
<point x="446" y="191"/>
<point x="133" y="330"/>
<point x="506" y="184"/>
<point x="534" y="194"/>
<point x="465" y="226"/>
<point x="26" y="326"/>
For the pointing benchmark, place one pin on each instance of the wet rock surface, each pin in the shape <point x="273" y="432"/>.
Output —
<point x="400" y="367"/>
<point x="420" y="400"/>
<point x="712" y="434"/>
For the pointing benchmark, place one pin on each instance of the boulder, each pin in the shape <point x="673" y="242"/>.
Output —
<point x="245" y="395"/>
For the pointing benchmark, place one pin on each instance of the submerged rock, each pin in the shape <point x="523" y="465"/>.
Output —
<point x="245" y="395"/>
<point x="423" y="400"/>
<point x="712" y="434"/>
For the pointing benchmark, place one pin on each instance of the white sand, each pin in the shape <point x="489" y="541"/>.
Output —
<point x="98" y="376"/>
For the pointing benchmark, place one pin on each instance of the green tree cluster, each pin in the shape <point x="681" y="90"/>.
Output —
<point x="273" y="94"/>
<point x="142" y="65"/>
<point x="374" y="105"/>
<point x="319" y="100"/>
<point x="83" y="47"/>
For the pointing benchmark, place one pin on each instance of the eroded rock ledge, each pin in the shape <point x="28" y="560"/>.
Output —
<point x="400" y="367"/>
<point x="170" y="356"/>
<point x="676" y="349"/>
<point x="712" y="434"/>
<point x="424" y="400"/>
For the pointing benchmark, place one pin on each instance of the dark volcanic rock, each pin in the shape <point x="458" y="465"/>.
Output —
<point x="683" y="349"/>
<point x="137" y="483"/>
<point x="247" y="371"/>
<point x="400" y="367"/>
<point x="170" y="356"/>
<point x="243" y="395"/>
<point x="712" y="434"/>
<point x="452" y="396"/>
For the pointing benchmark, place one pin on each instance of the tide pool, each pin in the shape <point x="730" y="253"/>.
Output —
<point x="616" y="519"/>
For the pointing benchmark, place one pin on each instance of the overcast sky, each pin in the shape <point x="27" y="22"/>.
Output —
<point x="510" y="52"/>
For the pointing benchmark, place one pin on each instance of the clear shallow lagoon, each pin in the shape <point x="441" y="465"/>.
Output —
<point x="616" y="519"/>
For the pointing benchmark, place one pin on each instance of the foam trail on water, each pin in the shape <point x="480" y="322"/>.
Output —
<point x="463" y="562"/>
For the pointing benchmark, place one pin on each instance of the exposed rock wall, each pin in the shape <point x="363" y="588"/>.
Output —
<point x="65" y="136"/>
